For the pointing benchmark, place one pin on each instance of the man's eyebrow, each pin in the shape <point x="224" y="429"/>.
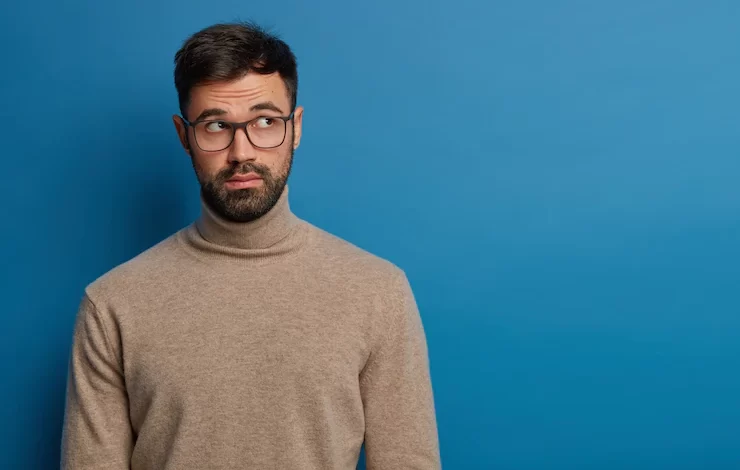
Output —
<point x="266" y="105"/>
<point x="210" y="112"/>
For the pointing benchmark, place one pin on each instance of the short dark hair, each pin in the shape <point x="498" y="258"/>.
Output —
<point x="228" y="51"/>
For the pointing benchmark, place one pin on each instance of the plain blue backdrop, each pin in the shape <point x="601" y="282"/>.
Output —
<point x="558" y="179"/>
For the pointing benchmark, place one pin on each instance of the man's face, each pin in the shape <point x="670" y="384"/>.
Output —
<point x="241" y="182"/>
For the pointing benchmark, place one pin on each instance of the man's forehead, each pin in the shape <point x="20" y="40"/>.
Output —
<point x="251" y="87"/>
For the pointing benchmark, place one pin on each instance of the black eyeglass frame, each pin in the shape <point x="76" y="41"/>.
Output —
<point x="240" y="125"/>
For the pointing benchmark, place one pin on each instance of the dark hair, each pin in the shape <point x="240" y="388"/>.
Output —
<point x="228" y="51"/>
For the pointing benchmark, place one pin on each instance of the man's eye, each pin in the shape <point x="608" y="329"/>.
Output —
<point x="216" y="126"/>
<point x="264" y="122"/>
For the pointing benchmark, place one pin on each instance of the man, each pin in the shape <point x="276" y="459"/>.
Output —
<point x="249" y="339"/>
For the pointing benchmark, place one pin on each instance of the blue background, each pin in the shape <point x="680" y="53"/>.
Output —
<point x="558" y="179"/>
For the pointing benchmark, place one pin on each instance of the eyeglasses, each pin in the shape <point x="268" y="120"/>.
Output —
<point x="265" y="132"/>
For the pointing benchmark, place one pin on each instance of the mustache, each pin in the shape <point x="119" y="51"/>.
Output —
<point x="242" y="169"/>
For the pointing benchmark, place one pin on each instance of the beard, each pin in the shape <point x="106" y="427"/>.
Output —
<point x="248" y="204"/>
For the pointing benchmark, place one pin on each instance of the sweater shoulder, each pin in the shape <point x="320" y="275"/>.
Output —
<point x="347" y="258"/>
<point x="145" y="270"/>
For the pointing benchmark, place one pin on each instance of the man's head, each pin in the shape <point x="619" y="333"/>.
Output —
<point x="231" y="74"/>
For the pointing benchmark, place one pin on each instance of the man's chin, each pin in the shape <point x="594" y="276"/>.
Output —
<point x="242" y="205"/>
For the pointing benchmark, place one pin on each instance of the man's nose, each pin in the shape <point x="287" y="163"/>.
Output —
<point x="241" y="149"/>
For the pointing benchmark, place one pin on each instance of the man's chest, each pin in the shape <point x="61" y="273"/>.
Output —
<point x="252" y="351"/>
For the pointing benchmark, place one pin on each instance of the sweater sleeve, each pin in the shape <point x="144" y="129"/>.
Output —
<point x="400" y="422"/>
<point x="97" y="432"/>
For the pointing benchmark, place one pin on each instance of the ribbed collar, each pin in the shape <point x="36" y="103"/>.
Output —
<point x="259" y="234"/>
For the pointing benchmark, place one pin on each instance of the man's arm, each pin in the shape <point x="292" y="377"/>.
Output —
<point x="400" y="421"/>
<point x="97" y="431"/>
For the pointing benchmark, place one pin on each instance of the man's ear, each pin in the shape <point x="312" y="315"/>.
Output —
<point x="297" y="126"/>
<point x="182" y="132"/>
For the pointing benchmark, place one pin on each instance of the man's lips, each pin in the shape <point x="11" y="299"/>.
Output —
<point x="250" y="180"/>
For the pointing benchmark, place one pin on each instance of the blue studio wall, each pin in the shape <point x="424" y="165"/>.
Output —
<point x="559" y="179"/>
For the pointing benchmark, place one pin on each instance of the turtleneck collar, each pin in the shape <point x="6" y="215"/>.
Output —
<point x="259" y="234"/>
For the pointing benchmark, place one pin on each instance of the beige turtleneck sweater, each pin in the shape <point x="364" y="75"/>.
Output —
<point x="266" y="345"/>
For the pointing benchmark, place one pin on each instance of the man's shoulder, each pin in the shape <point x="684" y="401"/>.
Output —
<point x="147" y="268"/>
<point x="351" y="259"/>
